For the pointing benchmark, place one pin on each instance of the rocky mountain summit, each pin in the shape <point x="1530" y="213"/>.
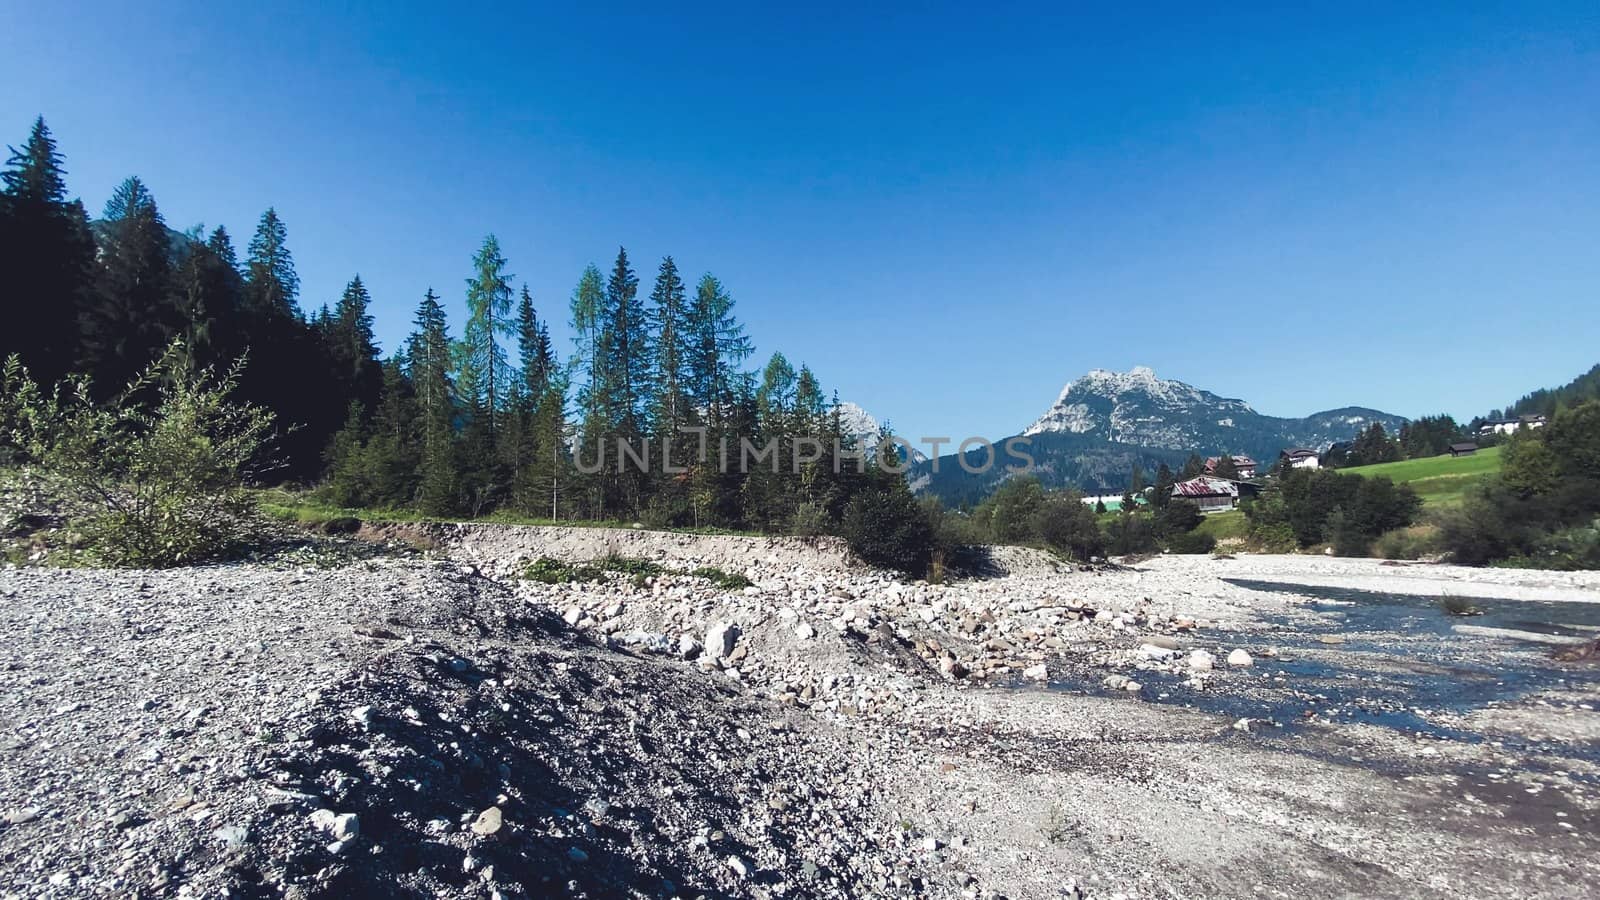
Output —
<point x="1139" y="408"/>
<point x="1105" y="422"/>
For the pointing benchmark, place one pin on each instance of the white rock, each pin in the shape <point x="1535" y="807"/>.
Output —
<point x="720" y="639"/>
<point x="739" y="867"/>
<point x="688" y="647"/>
<point x="1037" y="673"/>
<point x="340" y="827"/>
<point x="1201" y="661"/>
<point x="1132" y="687"/>
<point x="1151" y="651"/>
<point x="573" y="615"/>
<point x="1239" y="658"/>
<point x="805" y="632"/>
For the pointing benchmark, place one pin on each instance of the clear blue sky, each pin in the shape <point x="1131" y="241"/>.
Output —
<point x="947" y="212"/>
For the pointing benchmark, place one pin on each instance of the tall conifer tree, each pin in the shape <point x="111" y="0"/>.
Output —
<point x="46" y="259"/>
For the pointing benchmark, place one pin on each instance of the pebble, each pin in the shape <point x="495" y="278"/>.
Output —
<point x="1240" y="658"/>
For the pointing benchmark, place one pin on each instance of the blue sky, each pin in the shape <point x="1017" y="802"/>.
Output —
<point x="948" y="214"/>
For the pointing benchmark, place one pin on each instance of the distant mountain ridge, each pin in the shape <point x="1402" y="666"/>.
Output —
<point x="1105" y="422"/>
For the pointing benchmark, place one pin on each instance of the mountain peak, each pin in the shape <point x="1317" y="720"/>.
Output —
<point x="1116" y="404"/>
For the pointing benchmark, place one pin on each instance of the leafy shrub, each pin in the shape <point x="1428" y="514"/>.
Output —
<point x="1194" y="542"/>
<point x="1276" y="537"/>
<point x="809" y="520"/>
<point x="157" y="485"/>
<point x="1065" y="523"/>
<point x="886" y="527"/>
<point x="1414" y="542"/>
<point x="1177" y="517"/>
<point x="1131" y="533"/>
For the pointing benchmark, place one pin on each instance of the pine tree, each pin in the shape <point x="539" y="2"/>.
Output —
<point x="533" y="347"/>
<point x="429" y="354"/>
<point x="133" y="317"/>
<point x="672" y="332"/>
<point x="393" y="454"/>
<point x="46" y="259"/>
<point x="1162" y="493"/>
<point x="347" y="332"/>
<point x="626" y="348"/>
<point x="588" y="357"/>
<point x="484" y="371"/>
<point x="348" y="484"/>
<point x="271" y="285"/>
<point x="221" y="244"/>
<point x="716" y="346"/>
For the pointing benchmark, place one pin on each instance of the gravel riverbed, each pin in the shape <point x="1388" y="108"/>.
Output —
<point x="432" y="725"/>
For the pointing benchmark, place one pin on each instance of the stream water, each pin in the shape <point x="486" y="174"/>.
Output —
<point x="1395" y="660"/>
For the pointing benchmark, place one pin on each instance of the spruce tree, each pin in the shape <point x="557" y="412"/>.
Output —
<point x="353" y="350"/>
<point x="716" y="345"/>
<point x="133" y="317"/>
<point x="393" y="452"/>
<point x="429" y="355"/>
<point x="46" y="259"/>
<point x="671" y="321"/>
<point x="483" y="369"/>
<point x="271" y="285"/>
<point x="626" y="348"/>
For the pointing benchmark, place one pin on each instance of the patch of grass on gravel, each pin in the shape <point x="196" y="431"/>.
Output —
<point x="732" y="581"/>
<point x="547" y="570"/>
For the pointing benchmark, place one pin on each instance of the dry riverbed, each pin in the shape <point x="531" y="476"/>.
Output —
<point x="433" y="725"/>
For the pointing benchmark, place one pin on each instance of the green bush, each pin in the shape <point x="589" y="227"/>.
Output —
<point x="155" y="478"/>
<point x="886" y="527"/>
<point x="1407" y="543"/>
<point x="1276" y="537"/>
<point x="1192" y="542"/>
<point x="1131" y="533"/>
<point x="1064" y="522"/>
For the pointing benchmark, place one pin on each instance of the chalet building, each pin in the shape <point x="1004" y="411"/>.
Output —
<point x="1463" y="449"/>
<point x="1210" y="494"/>
<point x="1301" y="458"/>
<point x="1511" y="426"/>
<point x="1244" y="465"/>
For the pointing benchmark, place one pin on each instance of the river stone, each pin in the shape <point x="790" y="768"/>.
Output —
<point x="1163" y="641"/>
<point x="720" y="639"/>
<point x="1239" y="658"/>
<point x="488" y="822"/>
<point x="1201" y="661"/>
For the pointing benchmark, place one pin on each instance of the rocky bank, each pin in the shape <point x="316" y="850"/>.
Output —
<point x="431" y="724"/>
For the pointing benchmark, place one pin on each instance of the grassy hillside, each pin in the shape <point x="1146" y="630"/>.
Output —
<point x="1439" y="480"/>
